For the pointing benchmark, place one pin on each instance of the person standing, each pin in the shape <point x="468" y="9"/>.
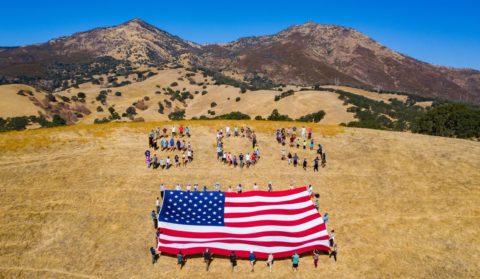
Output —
<point x="270" y="261"/>
<point x="333" y="252"/>
<point x="233" y="260"/>
<point x="252" y="258"/>
<point x="270" y="187"/>
<point x="154" y="219"/>
<point x="255" y="187"/>
<point x="154" y="255"/>
<point x="239" y="188"/>
<point x="325" y="218"/>
<point x="295" y="160"/>
<point x="316" y="253"/>
<point x="305" y="164"/>
<point x="162" y="190"/>
<point x="180" y="259"/>
<point x="207" y="258"/>
<point x="331" y="238"/>
<point x="157" y="204"/>
<point x="295" y="261"/>
<point x="315" y="164"/>
<point x="303" y="132"/>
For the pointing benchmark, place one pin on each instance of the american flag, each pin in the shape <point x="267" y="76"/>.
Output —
<point x="281" y="223"/>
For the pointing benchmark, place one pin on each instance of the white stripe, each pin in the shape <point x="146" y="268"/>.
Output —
<point x="243" y="247"/>
<point x="231" y="209"/>
<point x="258" y="239"/>
<point x="266" y="199"/>
<point x="240" y="231"/>
<point x="276" y="217"/>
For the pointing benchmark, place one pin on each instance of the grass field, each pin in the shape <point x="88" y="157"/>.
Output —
<point x="75" y="202"/>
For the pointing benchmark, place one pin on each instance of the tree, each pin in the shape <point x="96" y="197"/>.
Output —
<point x="131" y="111"/>
<point x="177" y="115"/>
<point x="276" y="116"/>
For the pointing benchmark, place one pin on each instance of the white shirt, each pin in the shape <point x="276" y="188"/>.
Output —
<point x="303" y="131"/>
<point x="189" y="187"/>
<point x="255" y="187"/>
<point x="174" y="129"/>
<point x="227" y="129"/>
<point x="178" y="187"/>
<point x="158" y="202"/>
<point x="247" y="157"/>
<point x="162" y="188"/>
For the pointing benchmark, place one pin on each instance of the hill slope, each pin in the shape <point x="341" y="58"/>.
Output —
<point x="75" y="202"/>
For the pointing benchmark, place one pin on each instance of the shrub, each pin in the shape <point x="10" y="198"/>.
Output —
<point x="146" y="98"/>
<point x="236" y="115"/>
<point x="258" y="117"/>
<point x="243" y="89"/>
<point x="161" y="108"/>
<point x="283" y="95"/>
<point x="118" y="93"/>
<point x="177" y="115"/>
<point x="237" y="99"/>
<point x="204" y="92"/>
<point x="276" y="116"/>
<point x="65" y="99"/>
<point x="51" y="98"/>
<point x="213" y="104"/>
<point x="99" y="109"/>
<point x="173" y="84"/>
<point x="312" y="117"/>
<point x="131" y="111"/>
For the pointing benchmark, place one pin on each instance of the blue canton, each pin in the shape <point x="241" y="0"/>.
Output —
<point x="193" y="208"/>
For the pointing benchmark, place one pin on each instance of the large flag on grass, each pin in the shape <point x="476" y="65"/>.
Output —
<point x="281" y="222"/>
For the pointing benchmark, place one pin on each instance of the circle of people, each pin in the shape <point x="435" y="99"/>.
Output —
<point x="159" y="139"/>
<point x="290" y="134"/>
<point x="248" y="159"/>
<point x="208" y="256"/>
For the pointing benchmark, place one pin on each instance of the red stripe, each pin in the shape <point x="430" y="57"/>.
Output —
<point x="242" y="254"/>
<point x="188" y="234"/>
<point x="265" y="193"/>
<point x="242" y="241"/>
<point x="254" y="204"/>
<point x="273" y="222"/>
<point x="269" y="211"/>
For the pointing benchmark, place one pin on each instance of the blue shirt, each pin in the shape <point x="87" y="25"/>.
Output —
<point x="251" y="257"/>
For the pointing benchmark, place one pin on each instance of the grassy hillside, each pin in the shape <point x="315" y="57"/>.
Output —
<point x="75" y="202"/>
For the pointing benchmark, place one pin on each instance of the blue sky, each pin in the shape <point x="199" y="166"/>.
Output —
<point x="440" y="32"/>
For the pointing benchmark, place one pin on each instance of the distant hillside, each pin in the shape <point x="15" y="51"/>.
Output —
<point x="306" y="55"/>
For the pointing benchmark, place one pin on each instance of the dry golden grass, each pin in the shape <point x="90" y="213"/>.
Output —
<point x="75" y="202"/>
<point x="12" y="104"/>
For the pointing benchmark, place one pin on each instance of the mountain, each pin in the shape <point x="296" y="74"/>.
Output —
<point x="319" y="54"/>
<point x="134" y="42"/>
<point x="305" y="54"/>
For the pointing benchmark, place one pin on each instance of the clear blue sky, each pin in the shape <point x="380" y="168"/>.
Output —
<point x="440" y="32"/>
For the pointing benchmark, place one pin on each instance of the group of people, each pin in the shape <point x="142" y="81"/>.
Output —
<point x="158" y="134"/>
<point x="158" y="138"/>
<point x="248" y="159"/>
<point x="252" y="258"/>
<point x="300" y="141"/>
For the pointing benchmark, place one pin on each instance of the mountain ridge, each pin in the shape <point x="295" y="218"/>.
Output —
<point x="305" y="54"/>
